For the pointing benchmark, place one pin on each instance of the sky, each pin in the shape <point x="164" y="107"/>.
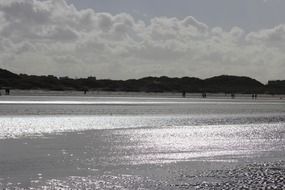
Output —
<point x="122" y="39"/>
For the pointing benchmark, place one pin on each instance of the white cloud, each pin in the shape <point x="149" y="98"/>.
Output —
<point x="52" y="37"/>
<point x="271" y="37"/>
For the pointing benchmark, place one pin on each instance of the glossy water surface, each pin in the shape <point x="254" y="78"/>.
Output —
<point x="125" y="142"/>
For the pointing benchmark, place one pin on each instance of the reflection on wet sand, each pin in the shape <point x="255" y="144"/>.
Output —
<point x="135" y="148"/>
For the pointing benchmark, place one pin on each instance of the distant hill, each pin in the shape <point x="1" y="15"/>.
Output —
<point x="4" y="74"/>
<point x="226" y="83"/>
<point x="217" y="84"/>
<point x="8" y="78"/>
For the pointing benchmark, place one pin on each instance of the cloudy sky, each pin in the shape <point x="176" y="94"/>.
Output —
<point x="123" y="39"/>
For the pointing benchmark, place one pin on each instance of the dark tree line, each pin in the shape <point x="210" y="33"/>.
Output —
<point x="218" y="84"/>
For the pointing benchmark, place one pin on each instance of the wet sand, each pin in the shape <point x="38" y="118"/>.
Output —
<point x="81" y="160"/>
<point x="213" y="144"/>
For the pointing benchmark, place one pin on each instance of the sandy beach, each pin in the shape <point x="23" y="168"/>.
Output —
<point x="50" y="142"/>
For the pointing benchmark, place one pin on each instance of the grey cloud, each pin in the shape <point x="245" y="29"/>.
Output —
<point x="63" y="34"/>
<point x="66" y="41"/>
<point x="105" y="21"/>
<point x="30" y="12"/>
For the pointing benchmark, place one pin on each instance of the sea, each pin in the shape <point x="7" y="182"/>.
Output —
<point x="133" y="141"/>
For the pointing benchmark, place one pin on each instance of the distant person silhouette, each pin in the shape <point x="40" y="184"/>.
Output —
<point x="183" y="94"/>
<point x="7" y="91"/>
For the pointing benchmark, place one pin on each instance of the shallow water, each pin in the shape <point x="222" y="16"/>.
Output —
<point x="126" y="142"/>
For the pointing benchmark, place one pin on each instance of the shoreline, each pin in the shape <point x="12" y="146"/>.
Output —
<point x="142" y="94"/>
